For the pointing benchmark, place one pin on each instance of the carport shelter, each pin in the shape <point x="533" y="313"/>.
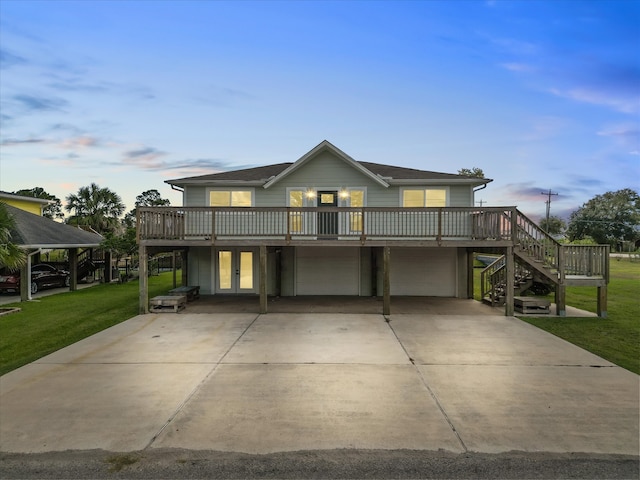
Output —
<point x="33" y="233"/>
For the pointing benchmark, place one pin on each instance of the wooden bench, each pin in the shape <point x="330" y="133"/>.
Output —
<point x="167" y="303"/>
<point x="531" y="305"/>
<point x="191" y="292"/>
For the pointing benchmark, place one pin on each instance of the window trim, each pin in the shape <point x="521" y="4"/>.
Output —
<point x="446" y="189"/>
<point x="251" y="190"/>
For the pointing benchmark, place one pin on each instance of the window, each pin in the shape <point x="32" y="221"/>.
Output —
<point x="230" y="198"/>
<point x="424" y="197"/>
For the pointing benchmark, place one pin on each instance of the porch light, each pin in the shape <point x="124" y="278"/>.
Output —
<point x="310" y="193"/>
<point x="344" y="193"/>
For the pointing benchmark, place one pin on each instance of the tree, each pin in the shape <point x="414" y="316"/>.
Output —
<point x="555" y="227"/>
<point x="100" y="208"/>
<point x="471" y="172"/>
<point x="53" y="210"/>
<point x="11" y="256"/>
<point x="148" y="198"/>
<point x="609" y="218"/>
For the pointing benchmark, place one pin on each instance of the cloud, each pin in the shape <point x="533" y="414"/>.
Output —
<point x="78" y="142"/>
<point x="8" y="59"/>
<point x="14" y="142"/>
<point x="626" y="136"/>
<point x="33" y="103"/>
<point x="616" y="100"/>
<point x="518" y="67"/>
<point x="546" y="127"/>
<point x="145" y="158"/>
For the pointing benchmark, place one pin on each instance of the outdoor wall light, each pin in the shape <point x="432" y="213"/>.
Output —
<point x="311" y="193"/>
<point x="344" y="193"/>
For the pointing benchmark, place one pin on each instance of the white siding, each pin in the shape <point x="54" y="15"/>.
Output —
<point x="423" y="272"/>
<point x="327" y="271"/>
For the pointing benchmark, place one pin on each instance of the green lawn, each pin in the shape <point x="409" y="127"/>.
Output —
<point x="617" y="337"/>
<point x="53" y="322"/>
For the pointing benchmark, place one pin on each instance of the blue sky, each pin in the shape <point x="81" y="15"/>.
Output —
<point x="539" y="94"/>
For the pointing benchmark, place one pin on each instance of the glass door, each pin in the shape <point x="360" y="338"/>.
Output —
<point x="328" y="220"/>
<point x="236" y="271"/>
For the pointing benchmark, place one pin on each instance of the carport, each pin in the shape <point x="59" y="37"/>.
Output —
<point x="33" y="233"/>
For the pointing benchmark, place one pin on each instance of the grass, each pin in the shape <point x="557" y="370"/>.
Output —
<point x="53" y="322"/>
<point x="615" y="338"/>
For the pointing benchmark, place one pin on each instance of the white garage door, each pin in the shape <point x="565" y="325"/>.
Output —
<point x="327" y="271"/>
<point x="423" y="272"/>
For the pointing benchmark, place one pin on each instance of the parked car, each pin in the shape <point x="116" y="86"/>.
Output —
<point x="42" y="276"/>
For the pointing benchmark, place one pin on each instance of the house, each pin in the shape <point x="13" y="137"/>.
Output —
<point x="28" y="204"/>
<point x="327" y="224"/>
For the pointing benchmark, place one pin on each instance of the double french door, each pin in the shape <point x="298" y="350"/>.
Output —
<point x="236" y="270"/>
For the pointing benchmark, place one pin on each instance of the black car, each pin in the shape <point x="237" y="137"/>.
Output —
<point x="42" y="276"/>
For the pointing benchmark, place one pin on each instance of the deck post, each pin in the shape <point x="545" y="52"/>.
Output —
<point x="73" y="269"/>
<point x="263" y="279"/>
<point x="386" y="281"/>
<point x="185" y="270"/>
<point x="602" y="301"/>
<point x="143" y="277"/>
<point x="470" y="283"/>
<point x="509" y="283"/>
<point x="561" y="300"/>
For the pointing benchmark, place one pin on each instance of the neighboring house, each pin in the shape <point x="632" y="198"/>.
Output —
<point x="330" y="225"/>
<point x="28" y="204"/>
<point x="34" y="233"/>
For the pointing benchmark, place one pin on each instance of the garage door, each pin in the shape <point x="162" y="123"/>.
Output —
<point x="327" y="271"/>
<point x="423" y="272"/>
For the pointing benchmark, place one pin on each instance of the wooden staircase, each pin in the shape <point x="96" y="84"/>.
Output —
<point x="541" y="265"/>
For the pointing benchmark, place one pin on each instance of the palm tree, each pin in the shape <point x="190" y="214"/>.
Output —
<point x="11" y="256"/>
<point x="97" y="207"/>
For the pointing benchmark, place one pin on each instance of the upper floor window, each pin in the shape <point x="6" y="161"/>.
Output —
<point x="424" y="197"/>
<point x="230" y="198"/>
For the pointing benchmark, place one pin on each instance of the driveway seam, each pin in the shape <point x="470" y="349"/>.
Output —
<point x="426" y="385"/>
<point x="198" y="386"/>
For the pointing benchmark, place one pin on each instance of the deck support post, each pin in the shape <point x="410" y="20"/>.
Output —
<point x="185" y="270"/>
<point x="561" y="300"/>
<point x="470" y="283"/>
<point x="386" y="280"/>
<point x="510" y="283"/>
<point x="73" y="269"/>
<point x="143" y="280"/>
<point x="602" y="301"/>
<point x="263" y="279"/>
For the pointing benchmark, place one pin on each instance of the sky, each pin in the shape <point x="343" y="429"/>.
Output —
<point x="541" y="95"/>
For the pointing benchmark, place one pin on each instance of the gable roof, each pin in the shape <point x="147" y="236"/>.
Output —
<point x="384" y="175"/>
<point x="321" y="147"/>
<point x="34" y="231"/>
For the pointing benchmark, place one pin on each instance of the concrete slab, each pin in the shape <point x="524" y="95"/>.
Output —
<point x="159" y="338"/>
<point x="538" y="408"/>
<point x="486" y="340"/>
<point x="319" y="338"/>
<point x="89" y="406"/>
<point x="302" y="407"/>
<point x="248" y="383"/>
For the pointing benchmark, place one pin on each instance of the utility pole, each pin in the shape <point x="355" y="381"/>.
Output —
<point x="549" y="194"/>
<point x="481" y="202"/>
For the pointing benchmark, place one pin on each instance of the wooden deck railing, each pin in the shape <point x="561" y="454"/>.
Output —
<point x="211" y="223"/>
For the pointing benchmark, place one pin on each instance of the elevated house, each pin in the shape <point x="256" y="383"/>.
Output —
<point x="327" y="224"/>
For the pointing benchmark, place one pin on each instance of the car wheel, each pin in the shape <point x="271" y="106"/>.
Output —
<point x="34" y="288"/>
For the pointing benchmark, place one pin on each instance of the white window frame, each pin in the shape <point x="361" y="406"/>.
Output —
<point x="446" y="190"/>
<point x="231" y="189"/>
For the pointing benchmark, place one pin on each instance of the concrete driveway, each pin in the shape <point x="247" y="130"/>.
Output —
<point x="242" y="382"/>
